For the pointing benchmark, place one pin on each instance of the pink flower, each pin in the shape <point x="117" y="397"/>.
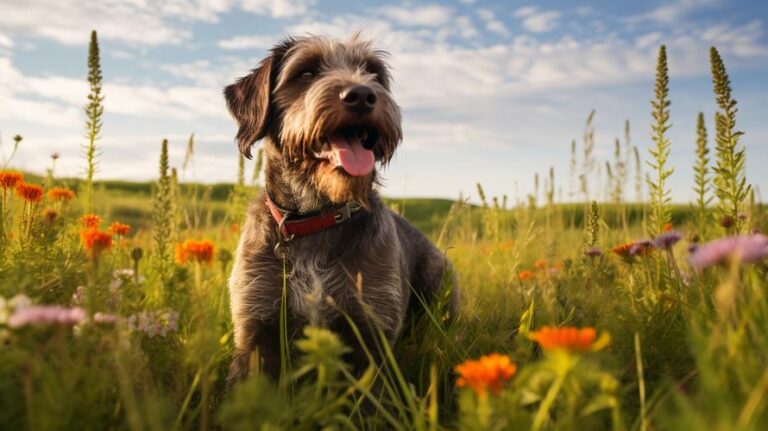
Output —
<point x="106" y="318"/>
<point x="745" y="248"/>
<point x="667" y="239"/>
<point x="46" y="315"/>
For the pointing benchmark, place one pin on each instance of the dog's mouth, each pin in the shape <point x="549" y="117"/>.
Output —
<point x="350" y="148"/>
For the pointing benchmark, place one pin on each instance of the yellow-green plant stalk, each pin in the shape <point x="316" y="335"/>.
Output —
<point x="161" y="217"/>
<point x="93" y="111"/>
<point x="188" y="156"/>
<point x="660" y="213"/>
<point x="176" y="209"/>
<point x="588" y="165"/>
<point x="238" y="198"/>
<point x="16" y="141"/>
<point x="258" y="165"/>
<point x="701" y="175"/>
<point x="572" y="172"/>
<point x="593" y="226"/>
<point x="731" y="186"/>
<point x="638" y="175"/>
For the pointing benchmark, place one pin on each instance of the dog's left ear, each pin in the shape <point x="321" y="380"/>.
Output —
<point x="249" y="99"/>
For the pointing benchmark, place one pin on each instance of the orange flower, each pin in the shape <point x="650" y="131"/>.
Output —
<point x="525" y="275"/>
<point x="90" y="221"/>
<point x="667" y="227"/>
<point x="60" y="194"/>
<point x="95" y="241"/>
<point x="9" y="179"/>
<point x="623" y="249"/>
<point x="490" y="371"/>
<point x="566" y="338"/>
<point x="120" y="229"/>
<point x="198" y="251"/>
<point x="29" y="192"/>
<point x="540" y="264"/>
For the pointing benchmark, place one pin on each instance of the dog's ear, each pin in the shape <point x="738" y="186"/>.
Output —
<point x="249" y="99"/>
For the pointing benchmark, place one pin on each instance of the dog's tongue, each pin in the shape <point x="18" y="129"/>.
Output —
<point x="349" y="153"/>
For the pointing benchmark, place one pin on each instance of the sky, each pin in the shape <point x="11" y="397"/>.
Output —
<point x="491" y="91"/>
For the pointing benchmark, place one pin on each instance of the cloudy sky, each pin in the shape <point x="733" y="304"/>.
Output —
<point x="491" y="91"/>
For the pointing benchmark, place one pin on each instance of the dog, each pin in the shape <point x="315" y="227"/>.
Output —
<point x="326" y="117"/>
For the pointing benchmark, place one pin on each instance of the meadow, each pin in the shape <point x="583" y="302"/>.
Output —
<point x="611" y="313"/>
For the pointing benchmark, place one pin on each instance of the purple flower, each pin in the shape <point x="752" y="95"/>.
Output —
<point x="745" y="248"/>
<point x="46" y="315"/>
<point x="667" y="239"/>
<point x="154" y="322"/>
<point x="593" y="252"/>
<point x="641" y="246"/>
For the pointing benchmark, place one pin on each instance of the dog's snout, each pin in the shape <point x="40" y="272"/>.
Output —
<point x="358" y="98"/>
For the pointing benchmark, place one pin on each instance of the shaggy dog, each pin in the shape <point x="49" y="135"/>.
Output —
<point x="327" y="117"/>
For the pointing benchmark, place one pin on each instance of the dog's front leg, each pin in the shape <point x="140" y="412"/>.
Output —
<point x="255" y="292"/>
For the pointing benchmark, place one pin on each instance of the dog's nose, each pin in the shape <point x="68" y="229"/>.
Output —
<point x="358" y="98"/>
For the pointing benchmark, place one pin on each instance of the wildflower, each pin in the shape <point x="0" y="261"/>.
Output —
<point x="198" y="251"/>
<point x="55" y="156"/>
<point x="488" y="372"/>
<point x="726" y="221"/>
<point x="566" y="338"/>
<point x="641" y="247"/>
<point x="105" y="318"/>
<point x="154" y="322"/>
<point x="60" y="194"/>
<point x="633" y="248"/>
<point x="667" y="239"/>
<point x="540" y="264"/>
<point x="120" y="229"/>
<point x="90" y="221"/>
<point x="46" y="315"/>
<point x="593" y="252"/>
<point x="9" y="179"/>
<point x="745" y="248"/>
<point x="29" y="192"/>
<point x="50" y="215"/>
<point x="525" y="275"/>
<point x="668" y="227"/>
<point x="95" y="241"/>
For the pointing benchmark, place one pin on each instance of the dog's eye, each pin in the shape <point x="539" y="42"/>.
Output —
<point x="307" y="75"/>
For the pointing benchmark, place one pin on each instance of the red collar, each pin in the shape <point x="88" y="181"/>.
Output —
<point x="292" y="224"/>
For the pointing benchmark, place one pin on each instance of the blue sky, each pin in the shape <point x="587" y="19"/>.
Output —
<point x="491" y="91"/>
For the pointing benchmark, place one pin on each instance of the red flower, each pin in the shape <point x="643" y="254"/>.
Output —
<point x="566" y="338"/>
<point x="60" y="194"/>
<point x="525" y="275"/>
<point x="198" y="251"/>
<point x="29" y="192"/>
<point x="488" y="372"/>
<point x="95" y="241"/>
<point x="9" y="179"/>
<point x="90" y="221"/>
<point x="120" y="229"/>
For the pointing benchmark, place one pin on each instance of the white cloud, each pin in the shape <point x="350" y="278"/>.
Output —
<point x="671" y="12"/>
<point x="247" y="42"/>
<point x="432" y="15"/>
<point x="131" y="21"/>
<point x="493" y="24"/>
<point x="277" y="8"/>
<point x="5" y="41"/>
<point x="537" y="21"/>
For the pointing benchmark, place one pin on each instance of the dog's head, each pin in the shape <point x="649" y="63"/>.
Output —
<point x="326" y="107"/>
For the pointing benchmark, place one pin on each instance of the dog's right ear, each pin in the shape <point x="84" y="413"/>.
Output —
<point x="249" y="99"/>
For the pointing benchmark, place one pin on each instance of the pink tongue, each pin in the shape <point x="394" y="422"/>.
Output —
<point x="350" y="154"/>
